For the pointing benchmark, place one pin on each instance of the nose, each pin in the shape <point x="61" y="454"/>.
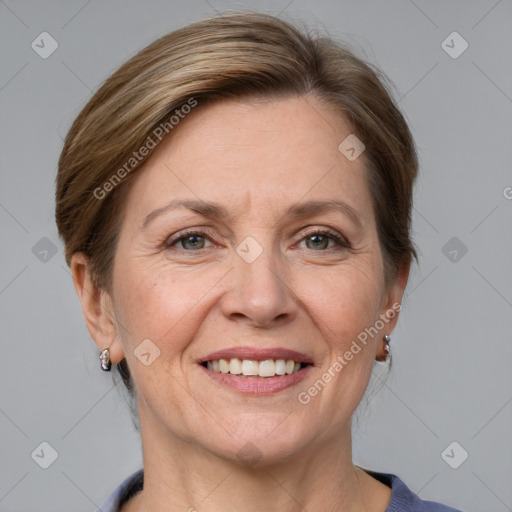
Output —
<point x="259" y="293"/>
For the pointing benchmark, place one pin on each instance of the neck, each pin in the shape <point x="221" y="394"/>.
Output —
<point x="179" y="475"/>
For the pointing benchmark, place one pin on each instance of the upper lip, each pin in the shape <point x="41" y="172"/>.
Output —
<point x="257" y="354"/>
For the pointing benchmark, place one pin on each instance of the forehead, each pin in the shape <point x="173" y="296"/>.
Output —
<point x="253" y="152"/>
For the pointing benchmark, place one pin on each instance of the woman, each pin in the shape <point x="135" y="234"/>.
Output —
<point x="235" y="203"/>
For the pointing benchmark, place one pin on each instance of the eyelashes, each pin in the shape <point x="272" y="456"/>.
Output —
<point x="184" y="235"/>
<point x="197" y="240"/>
<point x="327" y="234"/>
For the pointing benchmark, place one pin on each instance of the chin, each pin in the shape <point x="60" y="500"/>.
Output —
<point x="258" y="444"/>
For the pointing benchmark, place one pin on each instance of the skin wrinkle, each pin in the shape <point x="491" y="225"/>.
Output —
<point x="189" y="306"/>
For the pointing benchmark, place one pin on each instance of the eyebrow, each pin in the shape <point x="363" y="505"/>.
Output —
<point x="216" y="211"/>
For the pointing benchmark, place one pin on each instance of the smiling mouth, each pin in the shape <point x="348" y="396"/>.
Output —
<point x="252" y="368"/>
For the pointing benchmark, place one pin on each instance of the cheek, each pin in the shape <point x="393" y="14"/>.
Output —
<point x="163" y="305"/>
<point x="154" y="306"/>
<point x="345" y="302"/>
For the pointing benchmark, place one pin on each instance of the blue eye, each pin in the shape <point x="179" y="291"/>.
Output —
<point x="191" y="241"/>
<point x="196" y="242"/>
<point x="320" y="240"/>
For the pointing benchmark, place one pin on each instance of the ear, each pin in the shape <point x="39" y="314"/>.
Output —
<point x="392" y="303"/>
<point x="97" y="308"/>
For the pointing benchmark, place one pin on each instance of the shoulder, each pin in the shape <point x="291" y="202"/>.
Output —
<point x="403" y="499"/>
<point x="127" y="488"/>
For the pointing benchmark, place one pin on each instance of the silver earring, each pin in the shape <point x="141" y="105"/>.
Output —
<point x="387" y="339"/>
<point x="105" y="360"/>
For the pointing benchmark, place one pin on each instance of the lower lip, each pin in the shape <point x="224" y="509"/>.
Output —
<point x="258" y="385"/>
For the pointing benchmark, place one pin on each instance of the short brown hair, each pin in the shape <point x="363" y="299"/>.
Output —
<point x="233" y="55"/>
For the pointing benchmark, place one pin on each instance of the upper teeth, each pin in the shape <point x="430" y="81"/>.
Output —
<point x="267" y="368"/>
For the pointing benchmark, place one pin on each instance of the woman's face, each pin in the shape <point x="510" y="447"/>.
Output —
<point x="232" y="248"/>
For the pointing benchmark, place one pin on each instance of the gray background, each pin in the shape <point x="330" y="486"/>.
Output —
<point x="451" y="378"/>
